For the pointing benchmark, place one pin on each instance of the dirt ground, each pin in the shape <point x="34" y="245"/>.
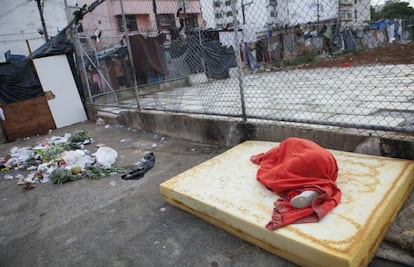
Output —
<point x="396" y="53"/>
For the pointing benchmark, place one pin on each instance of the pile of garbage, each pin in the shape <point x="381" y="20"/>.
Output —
<point x="60" y="159"/>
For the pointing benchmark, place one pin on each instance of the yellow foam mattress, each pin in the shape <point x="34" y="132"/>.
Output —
<point x="224" y="191"/>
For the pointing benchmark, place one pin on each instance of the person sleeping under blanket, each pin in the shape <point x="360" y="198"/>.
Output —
<point x="303" y="175"/>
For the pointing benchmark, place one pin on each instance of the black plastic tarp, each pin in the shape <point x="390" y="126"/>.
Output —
<point x="210" y="56"/>
<point x="219" y="59"/>
<point x="18" y="82"/>
<point x="57" y="45"/>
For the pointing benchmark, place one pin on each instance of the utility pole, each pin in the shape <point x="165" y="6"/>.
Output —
<point x="184" y="15"/>
<point x="243" y="14"/>
<point x="243" y="5"/>
<point x="67" y="11"/>
<point x="238" y="57"/>
<point x="126" y="36"/>
<point x="157" y="21"/>
<point x="40" y="6"/>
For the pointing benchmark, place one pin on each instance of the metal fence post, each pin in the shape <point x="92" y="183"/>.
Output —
<point x="124" y="25"/>
<point x="238" y="59"/>
<point x="79" y="52"/>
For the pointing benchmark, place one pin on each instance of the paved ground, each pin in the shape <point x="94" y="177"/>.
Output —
<point x="112" y="222"/>
<point x="369" y="97"/>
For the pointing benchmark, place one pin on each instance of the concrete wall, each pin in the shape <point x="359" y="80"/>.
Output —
<point x="182" y="126"/>
<point x="229" y="132"/>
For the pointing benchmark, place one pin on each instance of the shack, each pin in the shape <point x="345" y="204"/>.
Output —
<point x="39" y="92"/>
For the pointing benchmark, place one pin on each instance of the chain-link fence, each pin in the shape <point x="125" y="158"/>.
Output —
<point x="318" y="62"/>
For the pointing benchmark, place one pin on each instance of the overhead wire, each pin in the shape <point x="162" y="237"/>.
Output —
<point x="101" y="17"/>
<point x="18" y="33"/>
<point x="14" y="8"/>
<point x="95" y="16"/>
<point x="19" y="40"/>
<point x="15" y="34"/>
<point x="51" y="2"/>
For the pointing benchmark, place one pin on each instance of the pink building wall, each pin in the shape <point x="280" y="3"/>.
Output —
<point x="142" y="9"/>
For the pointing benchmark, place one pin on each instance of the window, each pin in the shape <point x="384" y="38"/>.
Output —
<point x="218" y="15"/>
<point x="230" y="13"/>
<point x="191" y="21"/>
<point x="228" y="2"/>
<point x="166" y="21"/>
<point x="131" y="23"/>
<point x="320" y="7"/>
<point x="345" y="2"/>
<point x="217" y="4"/>
<point x="346" y="15"/>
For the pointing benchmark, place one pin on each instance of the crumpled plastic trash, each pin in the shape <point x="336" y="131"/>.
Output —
<point x="100" y="121"/>
<point x="43" y="167"/>
<point x="77" y="158"/>
<point x="19" y="155"/>
<point x="60" y="139"/>
<point x="31" y="168"/>
<point x="8" y="177"/>
<point x="106" y="156"/>
<point x="146" y="164"/>
<point x="31" y="178"/>
<point x="46" y="178"/>
<point x="11" y="162"/>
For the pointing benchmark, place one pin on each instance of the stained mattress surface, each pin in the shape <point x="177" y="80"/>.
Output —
<point x="224" y="191"/>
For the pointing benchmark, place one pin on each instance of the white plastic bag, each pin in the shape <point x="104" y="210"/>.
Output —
<point x="76" y="158"/>
<point x="21" y="154"/>
<point x="106" y="156"/>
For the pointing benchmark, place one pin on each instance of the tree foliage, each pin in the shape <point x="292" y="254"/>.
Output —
<point x="375" y="15"/>
<point x="393" y="10"/>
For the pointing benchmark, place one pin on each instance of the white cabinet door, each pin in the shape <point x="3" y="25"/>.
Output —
<point x="55" y="76"/>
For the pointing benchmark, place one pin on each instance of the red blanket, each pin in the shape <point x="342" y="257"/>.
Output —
<point x="292" y="167"/>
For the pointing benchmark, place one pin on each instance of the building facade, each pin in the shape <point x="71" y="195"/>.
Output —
<point x="146" y="17"/>
<point x="264" y="14"/>
<point x="354" y="13"/>
<point x="151" y="17"/>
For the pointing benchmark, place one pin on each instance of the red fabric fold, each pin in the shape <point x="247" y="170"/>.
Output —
<point x="292" y="167"/>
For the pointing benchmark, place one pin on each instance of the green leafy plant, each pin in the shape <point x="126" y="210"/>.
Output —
<point x="97" y="172"/>
<point x="80" y="136"/>
<point x="53" y="151"/>
<point x="62" y="175"/>
<point x="307" y="58"/>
